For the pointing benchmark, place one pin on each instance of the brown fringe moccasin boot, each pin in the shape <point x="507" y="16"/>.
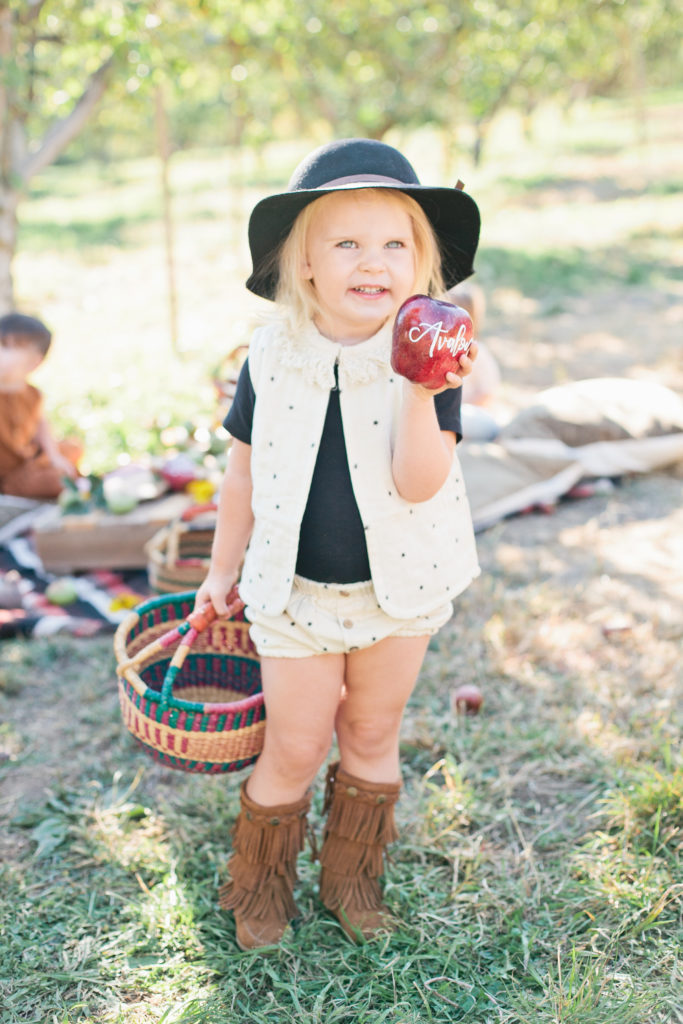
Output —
<point x="359" y="826"/>
<point x="266" y="843"/>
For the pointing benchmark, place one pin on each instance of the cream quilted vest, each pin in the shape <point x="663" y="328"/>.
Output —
<point x="421" y="554"/>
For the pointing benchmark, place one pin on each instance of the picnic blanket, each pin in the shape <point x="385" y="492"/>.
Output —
<point x="591" y="430"/>
<point x="103" y="598"/>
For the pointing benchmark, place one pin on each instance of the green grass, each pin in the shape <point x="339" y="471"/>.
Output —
<point x="537" y="877"/>
<point x="80" y="235"/>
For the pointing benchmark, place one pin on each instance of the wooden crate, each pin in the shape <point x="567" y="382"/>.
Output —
<point x="100" y="540"/>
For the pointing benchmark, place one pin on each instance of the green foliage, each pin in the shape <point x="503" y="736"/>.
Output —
<point x="249" y="72"/>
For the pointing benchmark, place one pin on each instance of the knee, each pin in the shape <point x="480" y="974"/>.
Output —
<point x="297" y="757"/>
<point x="375" y="735"/>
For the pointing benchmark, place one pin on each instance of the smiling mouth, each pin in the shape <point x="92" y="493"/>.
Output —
<point x="369" y="289"/>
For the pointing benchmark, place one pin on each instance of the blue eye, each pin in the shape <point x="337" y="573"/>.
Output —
<point x="394" y="245"/>
<point x="347" y="244"/>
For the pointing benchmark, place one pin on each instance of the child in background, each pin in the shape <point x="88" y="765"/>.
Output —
<point x="479" y="388"/>
<point x="32" y="464"/>
<point x="344" y="483"/>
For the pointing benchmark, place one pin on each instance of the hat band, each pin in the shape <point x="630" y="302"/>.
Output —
<point x="354" y="179"/>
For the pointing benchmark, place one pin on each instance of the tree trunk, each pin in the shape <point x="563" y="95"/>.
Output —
<point x="9" y="199"/>
<point x="17" y="166"/>
<point x="480" y="129"/>
<point x="164" y="150"/>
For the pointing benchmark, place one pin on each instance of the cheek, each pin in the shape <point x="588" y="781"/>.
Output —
<point x="408" y="268"/>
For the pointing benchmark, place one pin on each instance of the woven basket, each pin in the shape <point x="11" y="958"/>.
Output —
<point x="179" y="553"/>
<point x="201" y="708"/>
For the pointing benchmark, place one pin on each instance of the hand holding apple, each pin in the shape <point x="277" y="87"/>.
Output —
<point x="429" y="338"/>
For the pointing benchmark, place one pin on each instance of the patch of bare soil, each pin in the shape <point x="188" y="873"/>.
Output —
<point x="620" y="332"/>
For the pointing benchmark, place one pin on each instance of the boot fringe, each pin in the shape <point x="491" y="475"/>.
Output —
<point x="252" y="877"/>
<point x="275" y="900"/>
<point x="267" y="843"/>
<point x="360" y="824"/>
<point x="356" y="819"/>
<point x="348" y="857"/>
<point x="354" y="894"/>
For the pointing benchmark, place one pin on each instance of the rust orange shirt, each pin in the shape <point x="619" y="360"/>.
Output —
<point x="20" y="414"/>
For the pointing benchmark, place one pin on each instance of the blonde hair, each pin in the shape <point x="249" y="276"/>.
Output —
<point x="298" y="293"/>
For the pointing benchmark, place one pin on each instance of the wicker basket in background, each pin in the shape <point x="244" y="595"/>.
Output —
<point x="179" y="553"/>
<point x="200" y="708"/>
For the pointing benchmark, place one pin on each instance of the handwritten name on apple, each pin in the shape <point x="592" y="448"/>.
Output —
<point x="440" y="337"/>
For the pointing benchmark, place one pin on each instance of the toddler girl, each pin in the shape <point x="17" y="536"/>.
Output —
<point x="344" y="490"/>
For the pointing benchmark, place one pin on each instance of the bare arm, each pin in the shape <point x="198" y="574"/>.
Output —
<point x="234" y="523"/>
<point x="423" y="453"/>
<point x="49" y="446"/>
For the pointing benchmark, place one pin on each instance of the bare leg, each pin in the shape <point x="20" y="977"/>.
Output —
<point x="379" y="681"/>
<point x="302" y="696"/>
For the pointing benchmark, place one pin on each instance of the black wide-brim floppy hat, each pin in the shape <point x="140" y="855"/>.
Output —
<point x="353" y="164"/>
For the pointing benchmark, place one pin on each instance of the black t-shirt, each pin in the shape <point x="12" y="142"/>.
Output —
<point x="331" y="511"/>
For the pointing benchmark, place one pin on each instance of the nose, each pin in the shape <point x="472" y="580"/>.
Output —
<point x="371" y="259"/>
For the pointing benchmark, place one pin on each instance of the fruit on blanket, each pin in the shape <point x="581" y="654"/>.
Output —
<point x="467" y="699"/>
<point x="120" y="491"/>
<point x="429" y="338"/>
<point x="61" y="592"/>
<point x="179" y="471"/>
<point x="120" y="502"/>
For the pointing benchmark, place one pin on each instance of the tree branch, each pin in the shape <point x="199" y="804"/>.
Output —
<point x="31" y="11"/>
<point x="60" y="134"/>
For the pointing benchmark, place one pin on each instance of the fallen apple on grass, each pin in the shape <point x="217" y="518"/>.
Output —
<point x="467" y="699"/>
<point x="429" y="338"/>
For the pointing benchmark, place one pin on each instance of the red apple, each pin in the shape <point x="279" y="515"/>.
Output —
<point x="429" y="338"/>
<point x="467" y="699"/>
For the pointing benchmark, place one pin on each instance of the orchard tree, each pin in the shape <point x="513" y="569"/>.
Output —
<point x="29" y="39"/>
<point x="57" y="58"/>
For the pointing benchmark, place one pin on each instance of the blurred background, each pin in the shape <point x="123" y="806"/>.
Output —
<point x="137" y="136"/>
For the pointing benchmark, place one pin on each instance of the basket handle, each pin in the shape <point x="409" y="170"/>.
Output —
<point x="187" y="632"/>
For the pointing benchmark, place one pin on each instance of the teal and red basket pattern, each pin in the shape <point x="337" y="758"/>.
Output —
<point x="200" y="708"/>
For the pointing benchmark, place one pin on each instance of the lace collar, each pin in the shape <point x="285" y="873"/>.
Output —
<point x="304" y="348"/>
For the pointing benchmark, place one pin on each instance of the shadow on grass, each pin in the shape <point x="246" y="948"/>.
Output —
<point x="75" y="235"/>
<point x="600" y="189"/>
<point x="117" y="909"/>
<point x="572" y="271"/>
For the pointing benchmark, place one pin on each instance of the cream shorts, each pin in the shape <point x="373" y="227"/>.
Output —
<point x="331" y="618"/>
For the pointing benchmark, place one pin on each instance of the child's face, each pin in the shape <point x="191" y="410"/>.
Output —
<point x="18" y="359"/>
<point x="360" y="257"/>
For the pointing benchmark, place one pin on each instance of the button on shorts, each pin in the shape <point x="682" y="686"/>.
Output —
<point x="331" y="618"/>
